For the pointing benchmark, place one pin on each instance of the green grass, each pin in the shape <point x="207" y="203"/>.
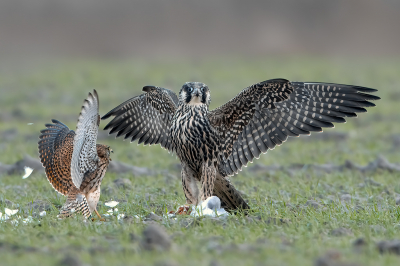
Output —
<point x="58" y="92"/>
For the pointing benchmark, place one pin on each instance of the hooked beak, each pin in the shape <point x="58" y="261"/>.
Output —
<point x="196" y="92"/>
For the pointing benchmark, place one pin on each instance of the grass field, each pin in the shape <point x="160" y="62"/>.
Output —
<point x="295" y="218"/>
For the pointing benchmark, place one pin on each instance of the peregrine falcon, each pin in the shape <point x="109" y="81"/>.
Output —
<point x="74" y="164"/>
<point x="213" y="145"/>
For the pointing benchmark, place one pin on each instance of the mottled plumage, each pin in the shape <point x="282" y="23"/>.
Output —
<point x="215" y="144"/>
<point x="74" y="164"/>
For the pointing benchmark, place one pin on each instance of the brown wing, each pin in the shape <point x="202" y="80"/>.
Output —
<point x="146" y="118"/>
<point x="251" y="124"/>
<point x="55" y="150"/>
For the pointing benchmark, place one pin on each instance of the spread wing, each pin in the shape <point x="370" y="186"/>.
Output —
<point x="265" y="114"/>
<point x="85" y="158"/>
<point x="146" y="118"/>
<point x="55" y="151"/>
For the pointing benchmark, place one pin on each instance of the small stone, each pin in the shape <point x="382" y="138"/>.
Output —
<point x="153" y="217"/>
<point x="277" y="221"/>
<point x="214" y="263"/>
<point x="398" y="201"/>
<point x="392" y="246"/>
<point x="37" y="206"/>
<point x="70" y="261"/>
<point x="313" y="204"/>
<point x="341" y="231"/>
<point x="329" y="259"/>
<point x="155" y="238"/>
<point x="122" y="183"/>
<point x="372" y="182"/>
<point x="6" y="202"/>
<point x="359" y="242"/>
<point x="345" y="197"/>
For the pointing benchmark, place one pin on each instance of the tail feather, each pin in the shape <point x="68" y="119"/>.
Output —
<point x="231" y="198"/>
<point x="76" y="203"/>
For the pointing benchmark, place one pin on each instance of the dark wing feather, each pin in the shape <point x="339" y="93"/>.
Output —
<point x="231" y="119"/>
<point x="265" y="114"/>
<point x="146" y="118"/>
<point x="55" y="151"/>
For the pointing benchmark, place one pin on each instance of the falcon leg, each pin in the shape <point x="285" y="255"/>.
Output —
<point x="98" y="215"/>
<point x="208" y="174"/>
<point x="190" y="189"/>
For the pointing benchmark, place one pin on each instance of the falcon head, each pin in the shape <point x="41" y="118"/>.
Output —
<point x="195" y="93"/>
<point x="104" y="151"/>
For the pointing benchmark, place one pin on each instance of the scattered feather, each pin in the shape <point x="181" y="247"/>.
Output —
<point x="43" y="213"/>
<point x="27" y="220"/>
<point x="111" y="204"/>
<point x="10" y="212"/>
<point x="30" y="124"/>
<point x="28" y="172"/>
<point x="209" y="207"/>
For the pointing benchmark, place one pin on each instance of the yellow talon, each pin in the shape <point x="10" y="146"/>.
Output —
<point x="100" y="218"/>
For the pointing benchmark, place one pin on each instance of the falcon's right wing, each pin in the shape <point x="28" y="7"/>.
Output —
<point x="146" y="118"/>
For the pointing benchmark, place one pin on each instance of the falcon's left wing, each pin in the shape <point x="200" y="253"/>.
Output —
<point x="84" y="157"/>
<point x="265" y="114"/>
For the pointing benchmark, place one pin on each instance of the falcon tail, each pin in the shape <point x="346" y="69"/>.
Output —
<point x="76" y="203"/>
<point x="231" y="199"/>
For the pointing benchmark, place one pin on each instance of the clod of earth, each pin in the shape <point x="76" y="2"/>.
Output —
<point x="155" y="238"/>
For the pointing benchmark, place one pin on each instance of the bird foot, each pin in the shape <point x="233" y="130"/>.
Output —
<point x="182" y="210"/>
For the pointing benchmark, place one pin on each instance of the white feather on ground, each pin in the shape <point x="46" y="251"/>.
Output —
<point x="28" y="172"/>
<point x="111" y="204"/>
<point x="210" y="207"/>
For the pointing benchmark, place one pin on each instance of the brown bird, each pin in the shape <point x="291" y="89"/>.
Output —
<point x="213" y="145"/>
<point x="74" y="164"/>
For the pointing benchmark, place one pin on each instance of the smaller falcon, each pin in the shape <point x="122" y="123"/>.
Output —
<point x="75" y="165"/>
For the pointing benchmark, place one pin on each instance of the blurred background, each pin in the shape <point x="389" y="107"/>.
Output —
<point x="158" y="29"/>
<point x="53" y="52"/>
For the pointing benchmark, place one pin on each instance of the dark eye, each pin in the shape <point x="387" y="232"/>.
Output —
<point x="190" y="89"/>
<point x="202" y="89"/>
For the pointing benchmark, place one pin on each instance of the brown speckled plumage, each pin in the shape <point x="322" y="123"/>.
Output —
<point x="56" y="148"/>
<point x="215" y="144"/>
